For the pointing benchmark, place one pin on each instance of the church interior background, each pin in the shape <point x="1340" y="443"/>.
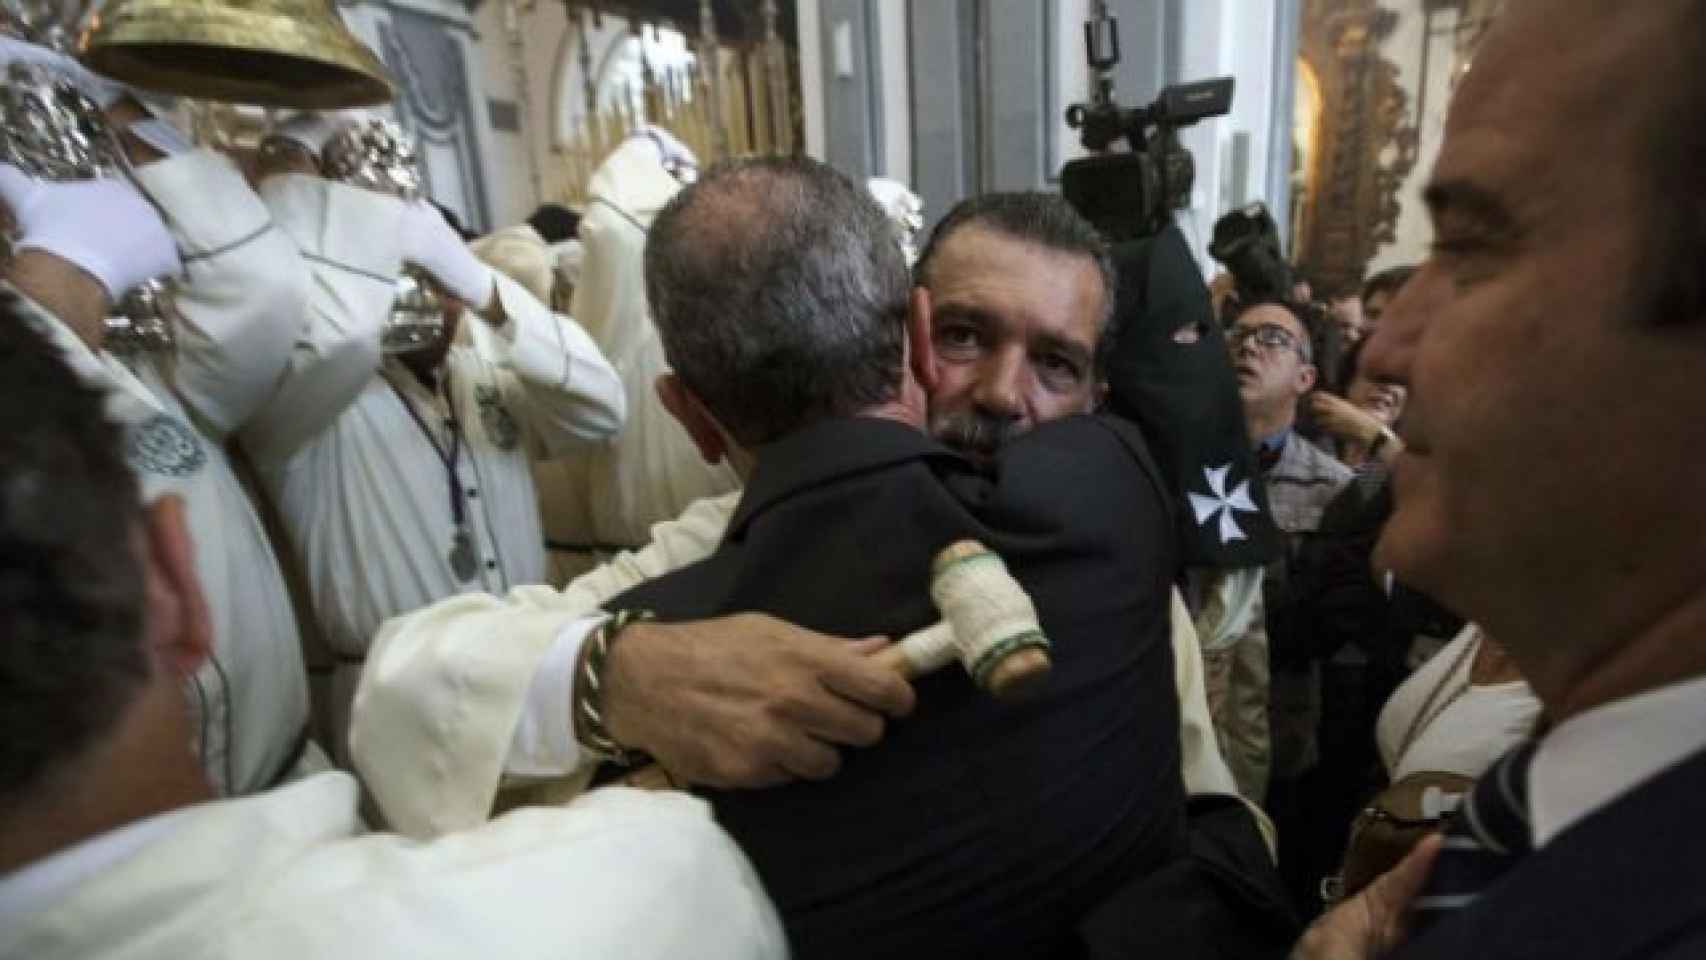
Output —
<point x="1339" y="108"/>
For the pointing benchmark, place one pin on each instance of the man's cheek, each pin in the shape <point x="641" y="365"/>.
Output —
<point x="953" y="383"/>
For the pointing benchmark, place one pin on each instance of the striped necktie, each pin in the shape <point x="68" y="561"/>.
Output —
<point x="1486" y="838"/>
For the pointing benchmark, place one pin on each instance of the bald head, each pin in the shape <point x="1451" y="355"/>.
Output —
<point x="1635" y="97"/>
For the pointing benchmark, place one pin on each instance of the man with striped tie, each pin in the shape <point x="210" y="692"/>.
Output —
<point x="1553" y="345"/>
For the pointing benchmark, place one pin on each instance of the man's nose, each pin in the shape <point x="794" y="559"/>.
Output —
<point x="1243" y="347"/>
<point x="1001" y="387"/>
<point x="1391" y="347"/>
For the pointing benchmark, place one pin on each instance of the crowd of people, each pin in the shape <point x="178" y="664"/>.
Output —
<point x="560" y="618"/>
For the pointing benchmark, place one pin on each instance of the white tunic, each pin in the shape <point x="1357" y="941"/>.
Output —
<point x="1437" y="721"/>
<point x="653" y="471"/>
<point x="245" y="284"/>
<point x="344" y="448"/>
<point x="287" y="874"/>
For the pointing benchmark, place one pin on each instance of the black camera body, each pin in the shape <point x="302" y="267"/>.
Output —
<point x="1247" y="242"/>
<point x="1129" y="196"/>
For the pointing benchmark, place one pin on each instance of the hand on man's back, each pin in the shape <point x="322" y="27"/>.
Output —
<point x="748" y="700"/>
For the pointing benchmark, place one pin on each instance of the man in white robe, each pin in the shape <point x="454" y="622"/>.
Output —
<point x="239" y="293"/>
<point x="406" y="479"/>
<point x="114" y="844"/>
<point x="651" y="472"/>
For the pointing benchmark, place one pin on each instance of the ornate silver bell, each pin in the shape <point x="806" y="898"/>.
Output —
<point x="377" y="154"/>
<point x="51" y="131"/>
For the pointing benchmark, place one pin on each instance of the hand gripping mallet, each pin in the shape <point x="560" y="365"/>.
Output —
<point x="988" y="624"/>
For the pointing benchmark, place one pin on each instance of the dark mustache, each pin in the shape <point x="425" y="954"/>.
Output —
<point x="973" y="431"/>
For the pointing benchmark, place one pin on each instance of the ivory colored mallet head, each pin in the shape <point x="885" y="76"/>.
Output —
<point x="988" y="624"/>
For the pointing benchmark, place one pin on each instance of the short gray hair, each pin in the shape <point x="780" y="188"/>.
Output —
<point x="1043" y="219"/>
<point x="780" y="295"/>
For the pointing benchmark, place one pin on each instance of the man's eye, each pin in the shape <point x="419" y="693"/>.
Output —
<point x="1058" y="368"/>
<point x="958" y="337"/>
<point x="1466" y="260"/>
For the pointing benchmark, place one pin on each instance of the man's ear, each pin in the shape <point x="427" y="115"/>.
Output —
<point x="179" y="628"/>
<point x="703" y="428"/>
<point x="1306" y="377"/>
<point x="919" y="340"/>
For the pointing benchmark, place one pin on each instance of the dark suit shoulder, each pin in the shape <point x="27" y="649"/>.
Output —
<point x="1091" y="475"/>
<point x="1623" y="884"/>
<point x="1091" y="445"/>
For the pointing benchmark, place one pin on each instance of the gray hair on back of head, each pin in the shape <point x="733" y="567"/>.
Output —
<point x="780" y="295"/>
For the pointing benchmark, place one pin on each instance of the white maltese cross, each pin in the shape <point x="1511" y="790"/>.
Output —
<point x="1226" y="505"/>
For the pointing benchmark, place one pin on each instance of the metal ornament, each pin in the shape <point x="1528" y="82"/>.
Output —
<point x="50" y="130"/>
<point x="416" y="321"/>
<point x="55" y="24"/>
<point x="145" y="321"/>
<point x="377" y="155"/>
<point x="462" y="561"/>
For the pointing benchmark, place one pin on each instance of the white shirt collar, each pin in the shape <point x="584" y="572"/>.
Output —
<point x="37" y="886"/>
<point x="1596" y="757"/>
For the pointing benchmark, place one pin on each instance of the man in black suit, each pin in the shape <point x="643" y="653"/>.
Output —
<point x="975" y="828"/>
<point x="1553" y="347"/>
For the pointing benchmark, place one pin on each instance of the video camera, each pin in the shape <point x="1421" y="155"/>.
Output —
<point x="1129" y="196"/>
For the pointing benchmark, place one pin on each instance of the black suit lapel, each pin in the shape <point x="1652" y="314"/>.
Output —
<point x="829" y="451"/>
<point x="1620" y="884"/>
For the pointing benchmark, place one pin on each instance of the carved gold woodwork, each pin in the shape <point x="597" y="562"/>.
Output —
<point x="724" y="105"/>
<point x="1364" y="143"/>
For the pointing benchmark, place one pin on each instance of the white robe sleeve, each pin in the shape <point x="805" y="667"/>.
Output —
<point x="544" y="744"/>
<point x="687" y="539"/>
<point x="351" y="241"/>
<point x="246" y="290"/>
<point x="616" y="873"/>
<point x="439" y="699"/>
<point x="444" y="691"/>
<point x="572" y="396"/>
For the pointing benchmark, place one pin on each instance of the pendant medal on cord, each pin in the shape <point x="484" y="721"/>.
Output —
<point x="464" y="564"/>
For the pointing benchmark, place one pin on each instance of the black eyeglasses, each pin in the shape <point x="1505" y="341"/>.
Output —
<point x="1268" y="336"/>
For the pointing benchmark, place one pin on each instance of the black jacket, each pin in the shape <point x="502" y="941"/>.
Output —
<point x="975" y="828"/>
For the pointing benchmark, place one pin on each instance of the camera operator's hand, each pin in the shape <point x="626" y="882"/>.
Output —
<point x="1345" y="420"/>
<point x="103" y="226"/>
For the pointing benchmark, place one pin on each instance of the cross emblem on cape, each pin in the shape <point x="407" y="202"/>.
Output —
<point x="1222" y="504"/>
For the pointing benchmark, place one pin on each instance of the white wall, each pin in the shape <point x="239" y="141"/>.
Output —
<point x="892" y="28"/>
<point x="809" y="20"/>
<point x="1219" y="38"/>
<point x="1071" y="79"/>
<point x="507" y="178"/>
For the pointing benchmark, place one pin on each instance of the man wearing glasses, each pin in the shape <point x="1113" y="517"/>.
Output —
<point x="1268" y="730"/>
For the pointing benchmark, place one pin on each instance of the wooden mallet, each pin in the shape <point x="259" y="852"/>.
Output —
<point x="988" y="624"/>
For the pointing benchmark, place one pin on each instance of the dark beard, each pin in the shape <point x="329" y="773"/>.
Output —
<point x="973" y="432"/>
